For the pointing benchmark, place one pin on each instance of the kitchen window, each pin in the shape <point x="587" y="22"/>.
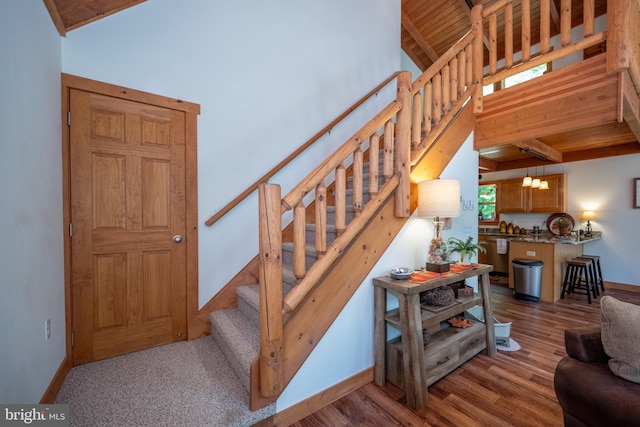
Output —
<point x="487" y="196"/>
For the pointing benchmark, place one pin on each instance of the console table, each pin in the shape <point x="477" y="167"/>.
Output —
<point x="406" y="361"/>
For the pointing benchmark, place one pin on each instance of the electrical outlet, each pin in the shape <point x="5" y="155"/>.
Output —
<point x="531" y="253"/>
<point x="47" y="329"/>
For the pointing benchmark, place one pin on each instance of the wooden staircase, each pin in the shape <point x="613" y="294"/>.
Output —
<point x="345" y="214"/>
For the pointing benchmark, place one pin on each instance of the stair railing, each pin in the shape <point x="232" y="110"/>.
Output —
<point x="394" y="120"/>
<point x="253" y="187"/>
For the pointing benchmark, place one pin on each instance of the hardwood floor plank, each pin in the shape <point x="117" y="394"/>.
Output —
<point x="512" y="389"/>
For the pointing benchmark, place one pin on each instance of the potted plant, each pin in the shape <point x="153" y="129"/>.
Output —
<point x="465" y="248"/>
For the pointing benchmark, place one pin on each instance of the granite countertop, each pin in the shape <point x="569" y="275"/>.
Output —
<point x="569" y="240"/>
<point x="544" y="237"/>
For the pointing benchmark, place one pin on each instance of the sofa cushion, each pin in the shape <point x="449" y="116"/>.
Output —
<point x="621" y="337"/>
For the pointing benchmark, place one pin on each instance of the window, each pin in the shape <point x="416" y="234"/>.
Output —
<point x="529" y="74"/>
<point x="487" y="202"/>
<point x="514" y="80"/>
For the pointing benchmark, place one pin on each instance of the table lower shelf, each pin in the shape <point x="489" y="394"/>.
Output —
<point x="447" y="350"/>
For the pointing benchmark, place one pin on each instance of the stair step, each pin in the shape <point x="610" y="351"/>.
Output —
<point x="249" y="300"/>
<point x="239" y="340"/>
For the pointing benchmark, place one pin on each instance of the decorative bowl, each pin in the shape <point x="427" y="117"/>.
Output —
<point x="400" y="273"/>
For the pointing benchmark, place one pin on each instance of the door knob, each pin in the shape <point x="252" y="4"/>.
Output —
<point x="177" y="238"/>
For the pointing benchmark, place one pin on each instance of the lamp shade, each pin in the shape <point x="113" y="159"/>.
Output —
<point x="439" y="198"/>
<point x="588" y="216"/>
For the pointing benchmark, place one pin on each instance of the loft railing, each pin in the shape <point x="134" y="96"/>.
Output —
<point x="488" y="21"/>
<point x="253" y="187"/>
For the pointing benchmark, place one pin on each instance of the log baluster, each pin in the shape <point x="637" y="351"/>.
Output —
<point x="427" y="110"/>
<point x="453" y="94"/>
<point x="340" y="198"/>
<point x="478" y="35"/>
<point x="374" y="163"/>
<point x="565" y="22"/>
<point x="508" y="35"/>
<point x="462" y="66"/>
<point x="437" y="98"/>
<point x="588" y="8"/>
<point x="446" y="91"/>
<point x="299" y="241"/>
<point x="493" y="43"/>
<point x="387" y="157"/>
<point x="357" y="180"/>
<point x="545" y="26"/>
<point x="469" y="64"/>
<point x="416" y="127"/>
<point x="321" y="219"/>
<point x="525" y="16"/>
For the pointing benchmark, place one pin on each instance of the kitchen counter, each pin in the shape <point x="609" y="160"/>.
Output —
<point x="553" y="252"/>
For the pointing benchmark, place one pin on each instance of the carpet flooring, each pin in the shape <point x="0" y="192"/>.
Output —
<point x="188" y="383"/>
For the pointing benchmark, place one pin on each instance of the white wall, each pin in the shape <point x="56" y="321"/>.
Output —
<point x="31" y="252"/>
<point x="604" y="186"/>
<point x="268" y="75"/>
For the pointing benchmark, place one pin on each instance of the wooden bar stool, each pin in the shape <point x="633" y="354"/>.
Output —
<point x="578" y="278"/>
<point x="597" y="271"/>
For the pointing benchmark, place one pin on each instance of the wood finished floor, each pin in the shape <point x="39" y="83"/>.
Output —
<point x="512" y="389"/>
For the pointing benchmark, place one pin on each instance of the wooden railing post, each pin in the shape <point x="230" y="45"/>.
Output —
<point x="621" y="35"/>
<point x="476" y="27"/>
<point x="271" y="329"/>
<point x="403" y="145"/>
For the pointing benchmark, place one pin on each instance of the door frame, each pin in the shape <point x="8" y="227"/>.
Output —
<point x="191" y="111"/>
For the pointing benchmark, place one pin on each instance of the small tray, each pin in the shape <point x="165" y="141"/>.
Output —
<point x="400" y="273"/>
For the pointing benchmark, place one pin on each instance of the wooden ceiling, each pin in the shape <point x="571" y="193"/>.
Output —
<point x="429" y="28"/>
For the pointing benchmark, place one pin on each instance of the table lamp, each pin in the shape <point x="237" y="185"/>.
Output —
<point x="438" y="199"/>
<point x="588" y="216"/>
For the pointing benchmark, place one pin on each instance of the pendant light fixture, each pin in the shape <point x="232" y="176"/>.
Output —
<point x="526" y="181"/>
<point x="544" y="185"/>
<point x="535" y="183"/>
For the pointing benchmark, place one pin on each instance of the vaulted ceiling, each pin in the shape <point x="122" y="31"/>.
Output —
<point x="429" y="28"/>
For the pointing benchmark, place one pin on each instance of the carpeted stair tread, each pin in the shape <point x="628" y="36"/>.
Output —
<point x="249" y="300"/>
<point x="238" y="338"/>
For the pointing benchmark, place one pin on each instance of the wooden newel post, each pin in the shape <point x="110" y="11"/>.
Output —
<point x="403" y="145"/>
<point x="270" y="242"/>
<point x="478" y="57"/>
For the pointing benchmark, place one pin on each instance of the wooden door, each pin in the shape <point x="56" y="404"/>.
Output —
<point x="128" y="258"/>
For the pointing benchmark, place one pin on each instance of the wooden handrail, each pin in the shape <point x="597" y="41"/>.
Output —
<point x="309" y="183"/>
<point x="253" y="187"/>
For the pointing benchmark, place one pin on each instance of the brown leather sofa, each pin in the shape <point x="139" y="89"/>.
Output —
<point x="588" y="392"/>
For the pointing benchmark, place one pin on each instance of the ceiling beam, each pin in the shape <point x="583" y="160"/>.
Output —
<point x="55" y="17"/>
<point x="540" y="148"/>
<point x="487" y="165"/>
<point x="408" y="25"/>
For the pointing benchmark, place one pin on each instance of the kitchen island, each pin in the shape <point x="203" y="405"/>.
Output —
<point x="554" y="252"/>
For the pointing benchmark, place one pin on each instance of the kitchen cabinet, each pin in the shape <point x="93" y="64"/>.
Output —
<point x="406" y="361"/>
<point x="514" y="198"/>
